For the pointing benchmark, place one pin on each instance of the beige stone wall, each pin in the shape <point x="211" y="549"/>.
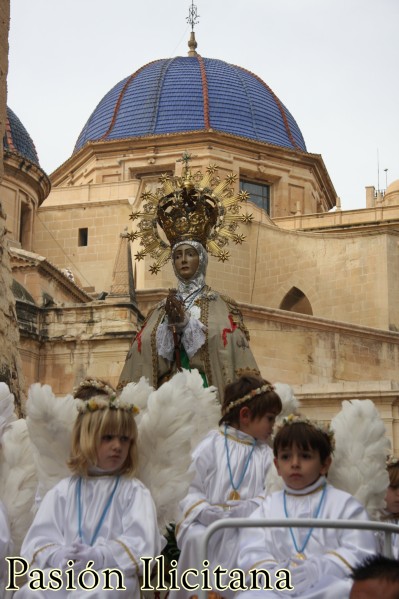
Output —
<point x="10" y="364"/>
<point x="4" y="28"/>
<point x="75" y="341"/>
<point x="57" y="237"/>
<point x="20" y="202"/>
<point x="98" y="192"/>
<point x="345" y="278"/>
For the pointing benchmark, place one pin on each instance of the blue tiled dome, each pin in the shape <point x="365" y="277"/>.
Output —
<point x="17" y="139"/>
<point x="192" y="93"/>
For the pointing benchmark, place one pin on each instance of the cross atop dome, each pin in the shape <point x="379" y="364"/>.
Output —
<point x="192" y="19"/>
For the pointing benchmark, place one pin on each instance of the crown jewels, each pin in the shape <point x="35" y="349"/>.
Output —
<point x="199" y="207"/>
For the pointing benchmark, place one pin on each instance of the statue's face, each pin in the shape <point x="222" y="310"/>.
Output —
<point x="186" y="261"/>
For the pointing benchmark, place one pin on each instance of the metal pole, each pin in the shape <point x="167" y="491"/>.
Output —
<point x="385" y="527"/>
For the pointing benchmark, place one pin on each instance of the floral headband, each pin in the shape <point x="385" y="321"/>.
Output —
<point x="246" y="397"/>
<point x="392" y="461"/>
<point x="298" y="419"/>
<point x="102" y="402"/>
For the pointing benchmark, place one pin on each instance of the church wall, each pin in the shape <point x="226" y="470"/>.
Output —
<point x="84" y="181"/>
<point x="42" y="285"/>
<point x="328" y="362"/>
<point x="344" y="278"/>
<point x="341" y="219"/>
<point x="393" y="280"/>
<point x="10" y="361"/>
<point x="62" y="345"/>
<point x="20" y="205"/>
<point x="300" y="349"/>
<point x="57" y="238"/>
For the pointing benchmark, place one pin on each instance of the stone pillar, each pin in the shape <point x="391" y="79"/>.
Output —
<point x="10" y="361"/>
<point x="370" y="196"/>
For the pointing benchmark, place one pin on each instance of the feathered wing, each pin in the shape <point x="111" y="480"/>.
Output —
<point x="138" y="393"/>
<point x="7" y="414"/>
<point x="291" y="405"/>
<point x="359" y="462"/>
<point x="177" y="416"/>
<point x="50" y="421"/>
<point x="18" y="479"/>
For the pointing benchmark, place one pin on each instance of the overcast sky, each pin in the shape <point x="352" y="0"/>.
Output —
<point x="333" y="63"/>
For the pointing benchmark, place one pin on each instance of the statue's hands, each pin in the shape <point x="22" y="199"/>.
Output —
<point x="174" y="309"/>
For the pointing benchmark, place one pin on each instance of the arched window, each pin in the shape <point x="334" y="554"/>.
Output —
<point x="296" y="301"/>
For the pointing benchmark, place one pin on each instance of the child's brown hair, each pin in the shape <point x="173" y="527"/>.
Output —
<point x="305" y="435"/>
<point x="261" y="399"/>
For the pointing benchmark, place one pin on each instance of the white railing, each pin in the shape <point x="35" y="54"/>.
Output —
<point x="387" y="528"/>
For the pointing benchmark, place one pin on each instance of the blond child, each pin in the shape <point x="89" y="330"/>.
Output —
<point x="319" y="560"/>
<point x="101" y="513"/>
<point x="229" y="468"/>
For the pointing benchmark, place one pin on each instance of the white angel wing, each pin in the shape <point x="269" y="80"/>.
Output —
<point x="18" y="480"/>
<point x="274" y="482"/>
<point x="18" y="475"/>
<point x="290" y="403"/>
<point x="178" y="415"/>
<point x="139" y="394"/>
<point x="7" y="414"/>
<point x="50" y="421"/>
<point x="359" y="462"/>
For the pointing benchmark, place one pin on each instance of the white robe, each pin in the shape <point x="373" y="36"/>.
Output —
<point x="5" y="545"/>
<point x="211" y="486"/>
<point x="129" y="530"/>
<point x="264" y="547"/>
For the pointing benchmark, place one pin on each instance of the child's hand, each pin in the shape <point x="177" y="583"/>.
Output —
<point x="60" y="557"/>
<point x="304" y="574"/>
<point x="85" y="553"/>
<point x="212" y="514"/>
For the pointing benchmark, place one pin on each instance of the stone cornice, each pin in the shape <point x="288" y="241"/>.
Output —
<point x="22" y="259"/>
<point x="319" y="324"/>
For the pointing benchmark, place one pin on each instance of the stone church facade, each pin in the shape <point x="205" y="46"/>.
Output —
<point x="318" y="286"/>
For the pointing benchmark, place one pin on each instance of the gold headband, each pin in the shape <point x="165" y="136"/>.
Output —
<point x="246" y="397"/>
<point x="298" y="419"/>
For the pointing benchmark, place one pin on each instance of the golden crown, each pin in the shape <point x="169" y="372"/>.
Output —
<point x="199" y="207"/>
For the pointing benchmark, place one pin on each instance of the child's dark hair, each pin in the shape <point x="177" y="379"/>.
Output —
<point x="260" y="403"/>
<point x="305" y="435"/>
<point x="377" y="567"/>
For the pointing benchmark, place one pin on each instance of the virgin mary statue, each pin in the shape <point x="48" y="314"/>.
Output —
<point x="195" y="326"/>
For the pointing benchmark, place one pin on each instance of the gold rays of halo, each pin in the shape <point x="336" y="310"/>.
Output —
<point x="195" y="206"/>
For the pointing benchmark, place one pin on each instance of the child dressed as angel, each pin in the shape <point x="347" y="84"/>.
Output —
<point x="100" y="514"/>
<point x="320" y="560"/>
<point x="229" y="469"/>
